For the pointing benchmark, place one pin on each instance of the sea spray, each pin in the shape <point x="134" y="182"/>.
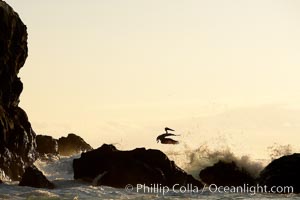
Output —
<point x="277" y="150"/>
<point x="59" y="169"/>
<point x="195" y="160"/>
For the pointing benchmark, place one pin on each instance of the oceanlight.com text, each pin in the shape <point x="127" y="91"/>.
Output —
<point x="212" y="188"/>
<point x="249" y="189"/>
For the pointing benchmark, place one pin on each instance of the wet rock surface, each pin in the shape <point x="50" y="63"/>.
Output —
<point x="226" y="174"/>
<point x="17" y="139"/>
<point x="109" y="166"/>
<point x="283" y="172"/>
<point x="35" y="178"/>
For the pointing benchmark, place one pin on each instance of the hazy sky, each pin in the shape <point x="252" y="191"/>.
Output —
<point x="120" y="71"/>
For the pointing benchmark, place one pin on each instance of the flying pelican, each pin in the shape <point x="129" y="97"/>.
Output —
<point x="162" y="138"/>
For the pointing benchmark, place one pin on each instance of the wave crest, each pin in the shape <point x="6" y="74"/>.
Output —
<point x="195" y="160"/>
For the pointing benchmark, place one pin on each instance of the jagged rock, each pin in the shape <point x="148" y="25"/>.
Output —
<point x="226" y="174"/>
<point x="109" y="166"/>
<point x="46" y="145"/>
<point x="283" y="171"/>
<point x="35" y="178"/>
<point x="17" y="139"/>
<point x="72" y="144"/>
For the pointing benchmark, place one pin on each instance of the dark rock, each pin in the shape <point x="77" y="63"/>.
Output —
<point x="226" y="174"/>
<point x="46" y="145"/>
<point x="283" y="171"/>
<point x="35" y="178"/>
<point x="17" y="139"/>
<point x="72" y="144"/>
<point x="109" y="166"/>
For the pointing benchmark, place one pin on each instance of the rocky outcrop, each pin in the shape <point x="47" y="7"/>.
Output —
<point x="17" y="139"/>
<point x="49" y="148"/>
<point x="46" y="145"/>
<point x="109" y="166"/>
<point x="226" y="174"/>
<point x="35" y="178"/>
<point x="283" y="171"/>
<point x="72" y="144"/>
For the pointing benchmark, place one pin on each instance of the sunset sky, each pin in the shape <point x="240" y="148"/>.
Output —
<point x="119" y="71"/>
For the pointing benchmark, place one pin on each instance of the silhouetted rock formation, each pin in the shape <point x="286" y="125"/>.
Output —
<point x="35" y="178"/>
<point x="109" y="166"/>
<point x="17" y="139"/>
<point x="283" y="171"/>
<point x="72" y="144"/>
<point x="226" y="174"/>
<point x="50" y="148"/>
<point x="46" y="146"/>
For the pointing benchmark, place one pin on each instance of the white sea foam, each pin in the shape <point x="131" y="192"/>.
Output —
<point x="57" y="170"/>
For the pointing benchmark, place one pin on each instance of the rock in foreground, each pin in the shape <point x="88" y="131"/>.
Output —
<point x="17" y="139"/>
<point x="109" y="166"/>
<point x="283" y="171"/>
<point x="35" y="178"/>
<point x="226" y="174"/>
<point x="72" y="144"/>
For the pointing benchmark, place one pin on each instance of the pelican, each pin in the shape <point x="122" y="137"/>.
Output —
<point x="163" y="137"/>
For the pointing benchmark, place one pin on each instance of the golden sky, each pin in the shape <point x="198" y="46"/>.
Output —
<point x="121" y="70"/>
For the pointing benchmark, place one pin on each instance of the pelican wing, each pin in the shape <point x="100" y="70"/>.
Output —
<point x="169" y="129"/>
<point x="168" y="134"/>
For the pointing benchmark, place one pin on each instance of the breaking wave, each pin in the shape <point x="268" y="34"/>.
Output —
<point x="195" y="160"/>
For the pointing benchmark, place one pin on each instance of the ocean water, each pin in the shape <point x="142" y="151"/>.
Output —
<point x="61" y="173"/>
